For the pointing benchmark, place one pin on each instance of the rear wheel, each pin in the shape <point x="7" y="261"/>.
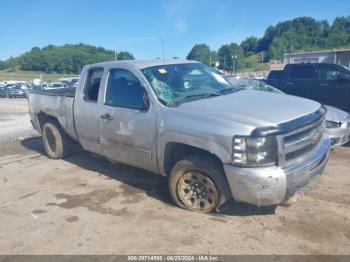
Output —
<point x="56" y="142"/>
<point x="196" y="184"/>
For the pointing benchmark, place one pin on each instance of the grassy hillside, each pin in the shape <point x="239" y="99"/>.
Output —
<point x="66" y="59"/>
<point x="29" y="75"/>
<point x="253" y="63"/>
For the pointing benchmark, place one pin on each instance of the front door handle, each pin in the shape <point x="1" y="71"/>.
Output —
<point x="106" y="116"/>
<point x="323" y="84"/>
<point x="289" y="83"/>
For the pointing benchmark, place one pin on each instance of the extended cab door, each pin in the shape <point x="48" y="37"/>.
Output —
<point x="127" y="121"/>
<point x="334" y="86"/>
<point x="300" y="80"/>
<point x="87" y="109"/>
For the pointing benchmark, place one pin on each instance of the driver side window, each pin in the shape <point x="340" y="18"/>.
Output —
<point x="124" y="90"/>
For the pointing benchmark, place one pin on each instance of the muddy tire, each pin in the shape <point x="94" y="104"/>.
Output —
<point x="196" y="183"/>
<point x="56" y="142"/>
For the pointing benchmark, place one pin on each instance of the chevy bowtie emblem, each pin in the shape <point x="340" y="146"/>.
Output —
<point x="315" y="135"/>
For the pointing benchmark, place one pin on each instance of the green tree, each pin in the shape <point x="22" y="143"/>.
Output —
<point x="250" y="45"/>
<point x="2" y="65"/>
<point x="64" y="59"/>
<point x="237" y="54"/>
<point x="124" y="55"/>
<point x="342" y="24"/>
<point x="225" y="58"/>
<point x="213" y="58"/>
<point x="231" y="57"/>
<point x="304" y="34"/>
<point x="201" y="53"/>
<point x="11" y="63"/>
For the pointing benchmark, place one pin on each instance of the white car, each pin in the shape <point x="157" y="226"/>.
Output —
<point x="55" y="85"/>
<point x="337" y="126"/>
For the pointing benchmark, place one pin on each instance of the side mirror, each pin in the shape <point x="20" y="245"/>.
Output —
<point x="145" y="102"/>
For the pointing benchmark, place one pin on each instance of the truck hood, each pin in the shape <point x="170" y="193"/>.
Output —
<point x="253" y="108"/>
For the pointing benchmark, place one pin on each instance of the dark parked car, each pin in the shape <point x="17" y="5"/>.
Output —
<point x="326" y="83"/>
<point x="337" y="121"/>
<point x="2" y="91"/>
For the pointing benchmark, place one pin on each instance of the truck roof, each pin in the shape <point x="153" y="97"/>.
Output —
<point x="140" y="64"/>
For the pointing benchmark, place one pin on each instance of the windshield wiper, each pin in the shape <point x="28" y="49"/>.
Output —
<point x="230" y="90"/>
<point x="195" y="97"/>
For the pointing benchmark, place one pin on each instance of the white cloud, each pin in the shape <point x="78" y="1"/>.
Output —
<point x="174" y="8"/>
<point x="175" y="15"/>
<point x="180" y="26"/>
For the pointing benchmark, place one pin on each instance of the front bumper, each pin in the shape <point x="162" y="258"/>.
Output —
<point x="339" y="136"/>
<point x="274" y="185"/>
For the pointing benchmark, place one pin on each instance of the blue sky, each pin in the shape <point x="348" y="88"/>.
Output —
<point x="138" y="26"/>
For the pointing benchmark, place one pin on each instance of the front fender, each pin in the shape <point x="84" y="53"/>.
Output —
<point x="214" y="144"/>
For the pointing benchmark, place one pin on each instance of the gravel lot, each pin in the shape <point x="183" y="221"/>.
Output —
<point x="86" y="205"/>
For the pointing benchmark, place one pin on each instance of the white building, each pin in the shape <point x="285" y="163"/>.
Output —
<point x="341" y="57"/>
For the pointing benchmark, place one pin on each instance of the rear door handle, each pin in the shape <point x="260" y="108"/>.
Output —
<point x="323" y="84"/>
<point x="106" y="116"/>
<point x="289" y="83"/>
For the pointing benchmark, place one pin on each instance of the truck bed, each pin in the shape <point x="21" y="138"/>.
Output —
<point x="69" y="91"/>
<point x="58" y="103"/>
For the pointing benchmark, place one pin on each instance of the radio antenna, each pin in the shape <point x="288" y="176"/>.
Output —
<point x="161" y="41"/>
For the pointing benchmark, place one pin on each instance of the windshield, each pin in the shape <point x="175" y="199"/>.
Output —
<point x="252" y="84"/>
<point x="175" y="84"/>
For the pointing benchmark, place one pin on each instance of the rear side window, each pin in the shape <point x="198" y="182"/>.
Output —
<point x="302" y="72"/>
<point x="124" y="90"/>
<point x="92" y="85"/>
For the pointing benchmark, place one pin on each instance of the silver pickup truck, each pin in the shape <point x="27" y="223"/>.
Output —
<point x="180" y="119"/>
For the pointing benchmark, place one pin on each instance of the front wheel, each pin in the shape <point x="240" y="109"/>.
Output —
<point x="196" y="184"/>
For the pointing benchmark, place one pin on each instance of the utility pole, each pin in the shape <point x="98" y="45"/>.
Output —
<point x="41" y="81"/>
<point x="224" y="63"/>
<point x="115" y="54"/>
<point x="233" y="63"/>
<point x="262" y="62"/>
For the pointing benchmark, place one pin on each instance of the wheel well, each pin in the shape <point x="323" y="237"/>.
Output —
<point x="174" y="152"/>
<point x="43" y="118"/>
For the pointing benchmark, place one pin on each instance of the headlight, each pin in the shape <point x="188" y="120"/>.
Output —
<point x="255" y="151"/>
<point x="331" y="124"/>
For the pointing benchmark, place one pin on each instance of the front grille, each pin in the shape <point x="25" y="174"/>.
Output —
<point x="296" y="145"/>
<point x="295" y="154"/>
